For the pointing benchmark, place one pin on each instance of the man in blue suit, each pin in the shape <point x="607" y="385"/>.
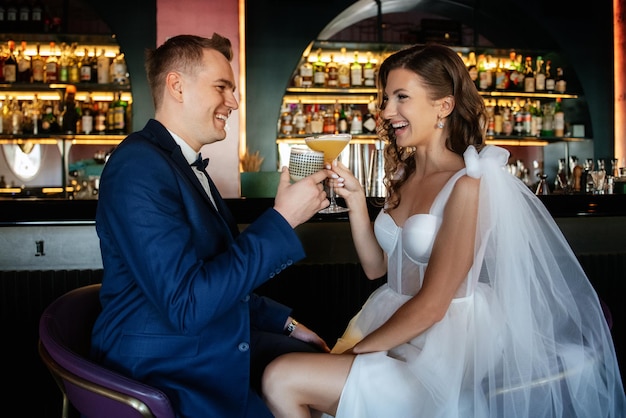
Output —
<point x="178" y="307"/>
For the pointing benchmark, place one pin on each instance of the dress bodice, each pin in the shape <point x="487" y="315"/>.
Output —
<point x="409" y="246"/>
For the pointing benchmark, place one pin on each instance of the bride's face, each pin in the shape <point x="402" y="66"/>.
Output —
<point x="412" y="114"/>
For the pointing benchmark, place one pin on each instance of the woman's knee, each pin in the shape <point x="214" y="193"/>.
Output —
<point x="276" y="376"/>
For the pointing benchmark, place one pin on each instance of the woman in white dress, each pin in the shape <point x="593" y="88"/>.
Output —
<point x="486" y="311"/>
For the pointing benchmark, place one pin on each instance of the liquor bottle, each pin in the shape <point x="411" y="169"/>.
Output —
<point x="35" y="115"/>
<point x="104" y="64"/>
<point x="559" y="119"/>
<point x="299" y="120"/>
<point x="356" y="72"/>
<point x="49" y="122"/>
<point x="120" y="107"/>
<point x="490" y="119"/>
<point x="560" y="85"/>
<point x="317" y="121"/>
<point x="501" y="77"/>
<point x="100" y="117"/>
<point x="17" y="117"/>
<point x="6" y="115"/>
<point x="286" y="120"/>
<point x="369" y="72"/>
<point x="550" y="81"/>
<point x="507" y="119"/>
<point x="306" y="72"/>
<point x="369" y="119"/>
<point x="540" y="75"/>
<point x="332" y="73"/>
<point x="110" y="121"/>
<point x="356" y="124"/>
<point x="52" y="65"/>
<point x="537" y="119"/>
<point x="547" y="128"/>
<point x="329" y="125"/>
<point x="319" y="71"/>
<point x="342" y="122"/>
<point x="119" y="72"/>
<point x="10" y="65"/>
<point x="485" y="74"/>
<point x="93" y="60"/>
<point x="24" y="69"/>
<point x="517" y="73"/>
<point x="529" y="76"/>
<point x="37" y="65"/>
<point x="344" y="70"/>
<point x="87" y="115"/>
<point x="70" y="115"/>
<point x="498" y="127"/>
<point x="64" y="64"/>
<point x="73" y="65"/>
<point x="85" y="68"/>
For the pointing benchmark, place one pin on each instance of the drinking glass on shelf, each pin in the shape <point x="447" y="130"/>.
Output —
<point x="598" y="178"/>
<point x="303" y="162"/>
<point x="331" y="145"/>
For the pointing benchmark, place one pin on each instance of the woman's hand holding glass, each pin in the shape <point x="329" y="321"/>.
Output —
<point x="331" y="145"/>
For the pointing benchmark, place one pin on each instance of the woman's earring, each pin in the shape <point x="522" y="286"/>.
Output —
<point x="440" y="123"/>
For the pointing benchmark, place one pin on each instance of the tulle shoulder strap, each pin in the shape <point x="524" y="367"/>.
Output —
<point x="490" y="156"/>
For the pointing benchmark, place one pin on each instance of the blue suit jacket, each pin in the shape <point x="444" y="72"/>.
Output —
<point x="177" y="292"/>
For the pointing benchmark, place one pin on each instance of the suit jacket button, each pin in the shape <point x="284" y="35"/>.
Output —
<point x="244" y="347"/>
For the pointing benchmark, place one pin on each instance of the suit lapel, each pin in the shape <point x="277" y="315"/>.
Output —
<point x="165" y="140"/>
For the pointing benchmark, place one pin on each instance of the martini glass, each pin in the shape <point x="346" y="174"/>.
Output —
<point x="331" y="145"/>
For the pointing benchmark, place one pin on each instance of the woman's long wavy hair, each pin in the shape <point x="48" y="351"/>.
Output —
<point x="443" y="73"/>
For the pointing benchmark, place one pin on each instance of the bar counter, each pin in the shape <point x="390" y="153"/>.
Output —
<point x="245" y="210"/>
<point x="593" y="224"/>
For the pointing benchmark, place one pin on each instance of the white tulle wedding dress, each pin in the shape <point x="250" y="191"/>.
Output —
<point x="524" y="337"/>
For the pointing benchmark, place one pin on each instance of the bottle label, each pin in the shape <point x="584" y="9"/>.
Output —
<point x="85" y="73"/>
<point x="51" y="72"/>
<point x="319" y="78"/>
<point x="38" y="70"/>
<point x="356" y="77"/>
<point x="529" y="84"/>
<point x="306" y="73"/>
<point x="10" y="73"/>
<point x="87" y="124"/>
<point x="369" y="125"/>
<point x="100" y="122"/>
<point x="540" y="82"/>
<point x="119" y="118"/>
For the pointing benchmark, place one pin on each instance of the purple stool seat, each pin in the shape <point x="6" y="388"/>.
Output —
<point x="96" y="392"/>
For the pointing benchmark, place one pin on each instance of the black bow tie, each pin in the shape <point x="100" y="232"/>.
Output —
<point x="200" y="163"/>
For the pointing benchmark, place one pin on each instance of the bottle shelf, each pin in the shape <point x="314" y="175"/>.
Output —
<point x="75" y="139"/>
<point x="305" y="93"/>
<point x="43" y="87"/>
<point x="511" y="140"/>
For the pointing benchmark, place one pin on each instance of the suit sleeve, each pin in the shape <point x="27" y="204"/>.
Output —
<point x="155" y="226"/>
